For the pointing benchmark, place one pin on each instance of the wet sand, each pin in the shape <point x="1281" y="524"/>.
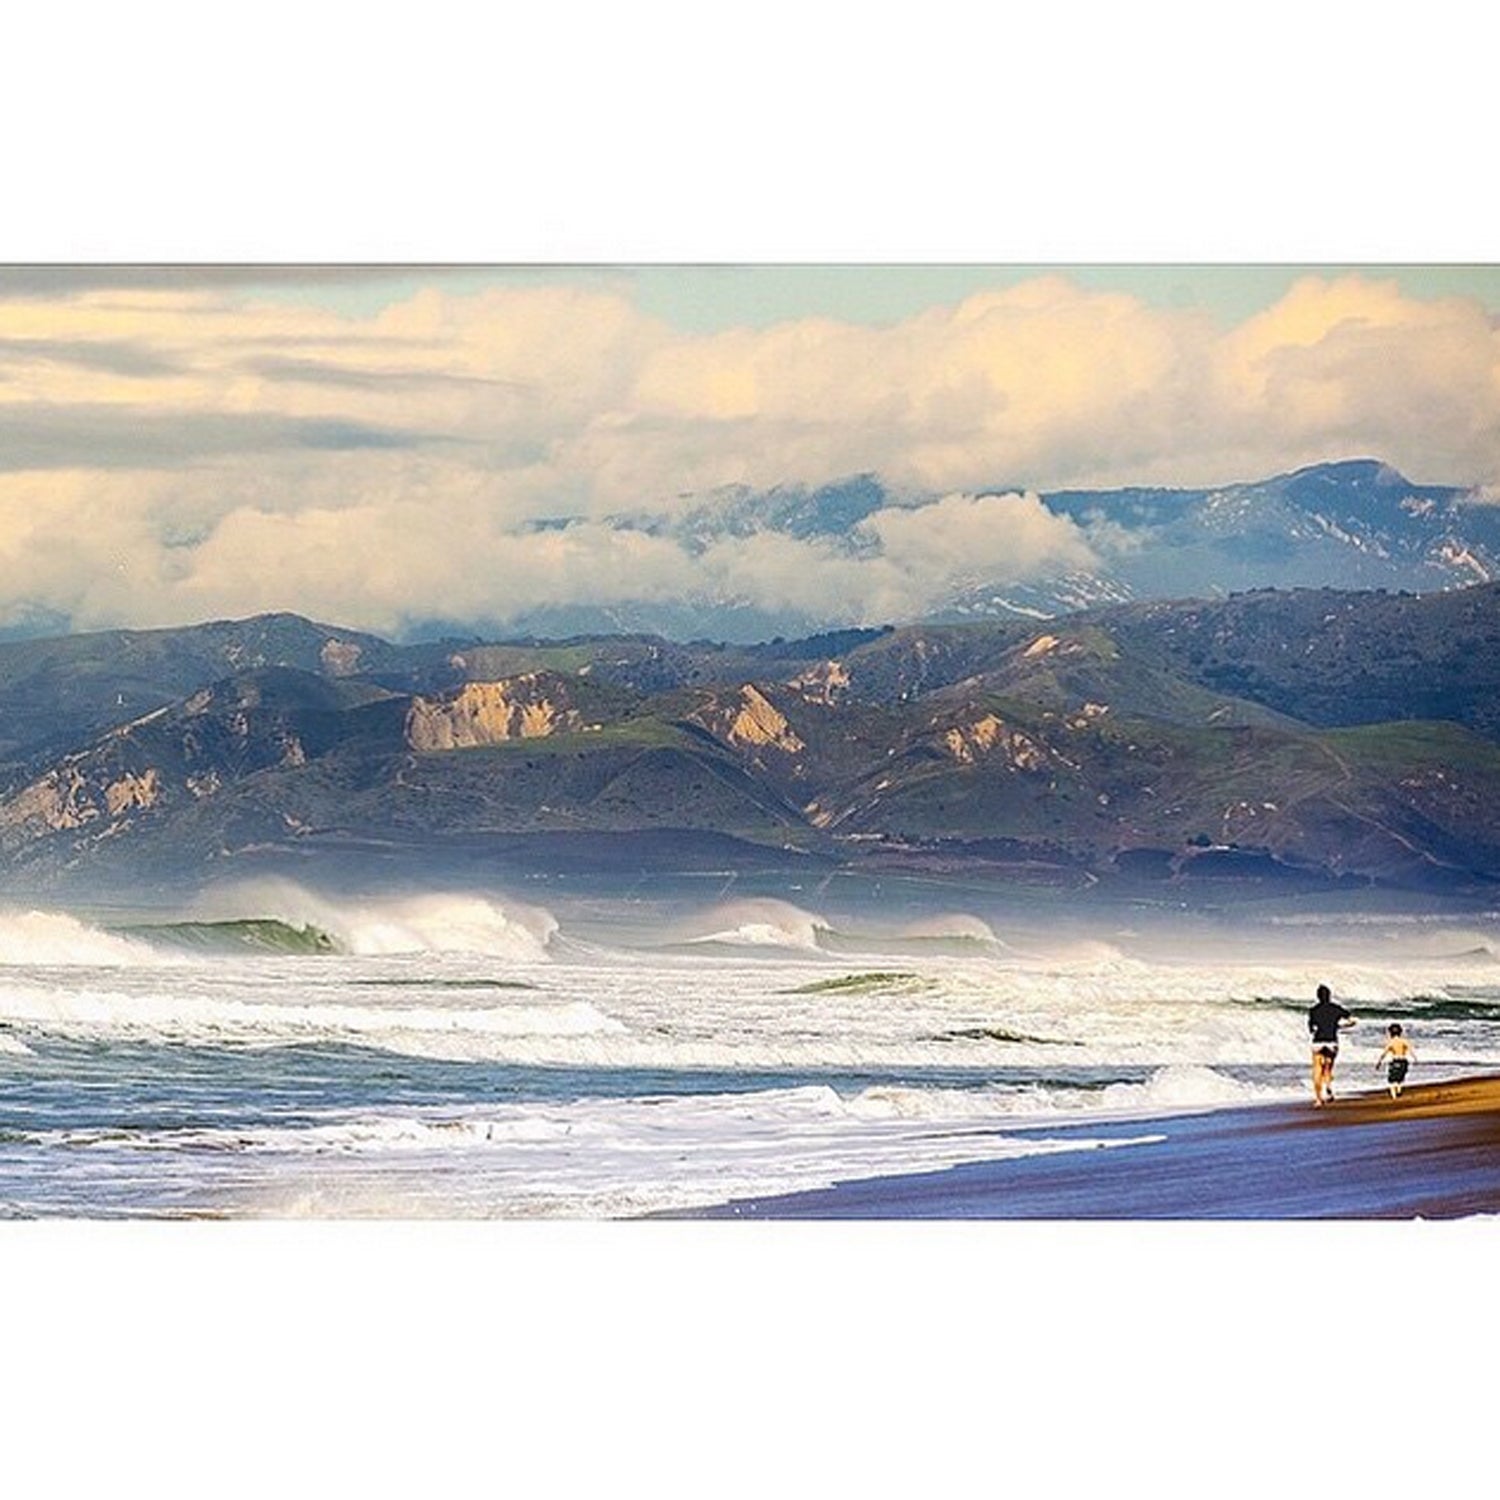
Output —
<point x="1434" y="1153"/>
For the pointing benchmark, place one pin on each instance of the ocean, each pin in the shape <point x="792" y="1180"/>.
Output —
<point x="269" y="1051"/>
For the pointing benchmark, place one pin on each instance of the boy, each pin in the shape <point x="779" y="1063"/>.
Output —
<point x="1399" y="1050"/>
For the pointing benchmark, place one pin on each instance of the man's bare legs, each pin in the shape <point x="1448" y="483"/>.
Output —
<point x="1321" y="1075"/>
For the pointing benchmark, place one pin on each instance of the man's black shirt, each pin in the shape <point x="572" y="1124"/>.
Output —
<point x="1323" y="1020"/>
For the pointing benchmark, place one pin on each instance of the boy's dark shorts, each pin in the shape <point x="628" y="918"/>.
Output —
<point x="1396" y="1071"/>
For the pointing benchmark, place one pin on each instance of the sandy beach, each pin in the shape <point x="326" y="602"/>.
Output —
<point x="1433" y="1153"/>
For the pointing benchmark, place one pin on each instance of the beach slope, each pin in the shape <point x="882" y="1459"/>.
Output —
<point x="1434" y="1153"/>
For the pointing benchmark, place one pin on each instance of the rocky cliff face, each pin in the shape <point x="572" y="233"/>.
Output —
<point x="275" y="719"/>
<point x="760" y="722"/>
<point x="989" y="735"/>
<point x="747" y="720"/>
<point x="530" y="706"/>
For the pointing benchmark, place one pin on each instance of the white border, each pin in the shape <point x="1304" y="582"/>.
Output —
<point x="661" y="132"/>
<point x="741" y="1360"/>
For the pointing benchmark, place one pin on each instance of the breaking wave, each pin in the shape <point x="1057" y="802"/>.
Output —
<point x="760" y="923"/>
<point x="255" y="934"/>
<point x="770" y="923"/>
<point x="952" y="934"/>
<point x="1176" y="1089"/>
<point x="439" y="923"/>
<point x="955" y="926"/>
<point x="47" y="938"/>
<point x="1186" y="1087"/>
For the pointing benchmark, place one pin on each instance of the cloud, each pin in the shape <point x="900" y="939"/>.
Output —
<point x="1354" y="362"/>
<point x="176" y="445"/>
<point x="114" y="356"/>
<point x="1000" y="538"/>
<point x="376" y="563"/>
<point x="317" y="372"/>
<point x="34" y="436"/>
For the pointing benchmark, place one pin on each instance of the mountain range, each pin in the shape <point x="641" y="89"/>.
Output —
<point x="1272" y="739"/>
<point x="1357" y="524"/>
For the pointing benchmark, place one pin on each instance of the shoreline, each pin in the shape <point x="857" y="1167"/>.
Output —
<point x="1434" y="1153"/>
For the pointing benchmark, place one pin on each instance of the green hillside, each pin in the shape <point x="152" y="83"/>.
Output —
<point x="1161" y="742"/>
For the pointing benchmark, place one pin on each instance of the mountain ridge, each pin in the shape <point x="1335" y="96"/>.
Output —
<point x="1304" y="735"/>
<point x="1350" y="523"/>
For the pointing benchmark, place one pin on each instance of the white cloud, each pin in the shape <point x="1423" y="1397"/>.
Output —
<point x="991" y="537"/>
<point x="171" y="455"/>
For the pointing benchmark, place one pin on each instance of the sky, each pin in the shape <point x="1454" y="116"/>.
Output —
<point x="376" y="445"/>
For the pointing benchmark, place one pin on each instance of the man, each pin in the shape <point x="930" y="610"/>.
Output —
<point x="1325" y="1020"/>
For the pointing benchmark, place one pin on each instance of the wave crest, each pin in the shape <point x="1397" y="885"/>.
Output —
<point x="760" y="922"/>
<point x="52" y="938"/>
<point x="459" y="922"/>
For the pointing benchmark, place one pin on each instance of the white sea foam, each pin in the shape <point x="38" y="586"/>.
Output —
<point x="951" y="925"/>
<point x="980" y="1055"/>
<point x="1091" y="953"/>
<point x="725" y="1013"/>
<point x="56" y="939"/>
<point x="460" y="922"/>
<point x="585" y="1157"/>
<point x="462" y="1030"/>
<point x="1169" y="1090"/>
<point x="769" y="923"/>
<point x="1184" y="1088"/>
<point x="757" y="923"/>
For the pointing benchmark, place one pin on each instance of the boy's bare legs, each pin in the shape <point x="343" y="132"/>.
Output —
<point x="1319" y="1072"/>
